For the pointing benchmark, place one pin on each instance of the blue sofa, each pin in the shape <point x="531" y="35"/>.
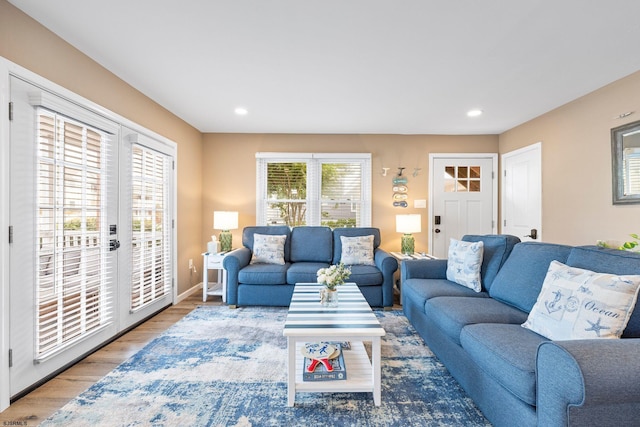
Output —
<point x="515" y="376"/>
<point x="306" y="250"/>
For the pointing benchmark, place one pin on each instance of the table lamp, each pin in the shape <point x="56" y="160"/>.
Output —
<point x="225" y="221"/>
<point x="408" y="224"/>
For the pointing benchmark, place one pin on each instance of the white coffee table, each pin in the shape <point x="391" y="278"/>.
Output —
<point x="353" y="321"/>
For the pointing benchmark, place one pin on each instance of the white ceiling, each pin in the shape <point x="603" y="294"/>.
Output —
<point x="354" y="66"/>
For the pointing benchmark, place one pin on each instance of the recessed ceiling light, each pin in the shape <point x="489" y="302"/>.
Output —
<point x="474" y="113"/>
<point x="241" y="111"/>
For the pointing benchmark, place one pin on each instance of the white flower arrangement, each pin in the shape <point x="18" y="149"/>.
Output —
<point x="334" y="275"/>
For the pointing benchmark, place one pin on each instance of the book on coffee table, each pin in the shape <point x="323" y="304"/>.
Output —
<point x="320" y="373"/>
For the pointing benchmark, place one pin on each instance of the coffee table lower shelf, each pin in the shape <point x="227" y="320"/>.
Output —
<point x="361" y="375"/>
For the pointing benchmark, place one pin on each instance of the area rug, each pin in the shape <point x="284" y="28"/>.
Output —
<point x="223" y="367"/>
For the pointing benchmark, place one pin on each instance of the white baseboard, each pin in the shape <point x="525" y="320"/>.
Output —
<point x="189" y="292"/>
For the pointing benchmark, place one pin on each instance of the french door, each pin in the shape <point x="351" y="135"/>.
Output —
<point x="91" y="241"/>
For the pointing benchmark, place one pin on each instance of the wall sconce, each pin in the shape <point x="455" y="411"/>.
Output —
<point x="407" y="224"/>
<point x="225" y="221"/>
<point x="384" y="171"/>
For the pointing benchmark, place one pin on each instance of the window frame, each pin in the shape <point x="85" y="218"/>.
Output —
<point x="314" y="162"/>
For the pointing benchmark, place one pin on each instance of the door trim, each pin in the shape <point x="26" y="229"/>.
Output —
<point x="494" y="185"/>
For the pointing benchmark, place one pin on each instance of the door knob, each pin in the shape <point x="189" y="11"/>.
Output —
<point x="437" y="230"/>
<point x="533" y="235"/>
<point x="114" y="244"/>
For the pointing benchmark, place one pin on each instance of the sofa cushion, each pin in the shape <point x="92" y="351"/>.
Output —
<point x="248" y="232"/>
<point x="365" y="275"/>
<point x="579" y="304"/>
<point x="496" y="250"/>
<point x="610" y="261"/>
<point x="507" y="353"/>
<point x="311" y="244"/>
<point x="421" y="290"/>
<point x="520" y="279"/>
<point x="464" y="260"/>
<point x="451" y="314"/>
<point x="351" y="232"/>
<point x="357" y="250"/>
<point x="264" y="274"/>
<point x="304" y="272"/>
<point x="268" y="249"/>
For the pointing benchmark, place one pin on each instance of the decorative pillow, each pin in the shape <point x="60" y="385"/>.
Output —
<point x="579" y="304"/>
<point x="268" y="249"/>
<point x="464" y="262"/>
<point x="357" y="250"/>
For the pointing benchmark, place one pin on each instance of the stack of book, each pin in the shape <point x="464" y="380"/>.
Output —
<point x="321" y="356"/>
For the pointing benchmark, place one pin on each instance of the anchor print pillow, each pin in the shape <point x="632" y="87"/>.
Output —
<point x="580" y="304"/>
<point x="357" y="250"/>
<point x="268" y="249"/>
<point x="464" y="261"/>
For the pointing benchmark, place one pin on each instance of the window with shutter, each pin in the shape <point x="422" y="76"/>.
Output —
<point x="73" y="299"/>
<point x="313" y="189"/>
<point x="151" y="240"/>
<point x="631" y="171"/>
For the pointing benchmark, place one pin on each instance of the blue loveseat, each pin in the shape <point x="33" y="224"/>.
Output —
<point x="515" y="376"/>
<point x="306" y="250"/>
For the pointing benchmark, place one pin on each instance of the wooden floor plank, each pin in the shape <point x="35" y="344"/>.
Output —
<point x="39" y="404"/>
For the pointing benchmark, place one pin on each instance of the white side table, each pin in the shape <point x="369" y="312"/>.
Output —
<point x="214" y="262"/>
<point x="404" y="257"/>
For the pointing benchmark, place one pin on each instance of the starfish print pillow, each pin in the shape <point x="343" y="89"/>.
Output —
<point x="580" y="304"/>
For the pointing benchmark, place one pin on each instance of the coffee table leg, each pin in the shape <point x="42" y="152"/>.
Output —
<point x="375" y="368"/>
<point x="291" y="369"/>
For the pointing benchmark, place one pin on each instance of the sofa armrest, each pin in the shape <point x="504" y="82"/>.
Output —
<point x="388" y="265"/>
<point x="233" y="263"/>
<point x="588" y="382"/>
<point x="423" y="269"/>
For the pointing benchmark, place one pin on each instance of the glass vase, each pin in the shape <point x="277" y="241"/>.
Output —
<point x="328" y="297"/>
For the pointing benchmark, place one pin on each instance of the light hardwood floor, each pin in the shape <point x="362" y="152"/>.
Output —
<point x="36" y="406"/>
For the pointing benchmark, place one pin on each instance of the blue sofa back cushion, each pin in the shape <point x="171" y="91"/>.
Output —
<point x="610" y="261"/>
<point x="248" y="232"/>
<point x="497" y="248"/>
<point x="519" y="281"/>
<point x="352" y="232"/>
<point x="311" y="244"/>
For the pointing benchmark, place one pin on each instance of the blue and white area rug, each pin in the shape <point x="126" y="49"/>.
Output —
<point x="222" y="367"/>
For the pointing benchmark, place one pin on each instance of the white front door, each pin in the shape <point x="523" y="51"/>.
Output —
<point x="521" y="193"/>
<point x="463" y="193"/>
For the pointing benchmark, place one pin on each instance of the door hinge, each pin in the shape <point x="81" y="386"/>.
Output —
<point x="505" y="172"/>
<point x="10" y="358"/>
<point x="10" y="111"/>
<point x="504" y="224"/>
<point x="11" y="234"/>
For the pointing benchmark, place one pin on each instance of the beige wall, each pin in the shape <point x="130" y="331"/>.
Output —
<point x="30" y="45"/>
<point x="576" y="165"/>
<point x="229" y="172"/>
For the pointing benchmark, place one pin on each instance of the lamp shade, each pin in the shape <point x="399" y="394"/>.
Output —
<point x="410" y="223"/>
<point x="225" y="220"/>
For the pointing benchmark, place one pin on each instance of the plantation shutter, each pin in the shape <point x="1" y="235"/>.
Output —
<point x="150" y="226"/>
<point x="286" y="188"/>
<point x="632" y="171"/>
<point x="73" y="295"/>
<point x="341" y="194"/>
